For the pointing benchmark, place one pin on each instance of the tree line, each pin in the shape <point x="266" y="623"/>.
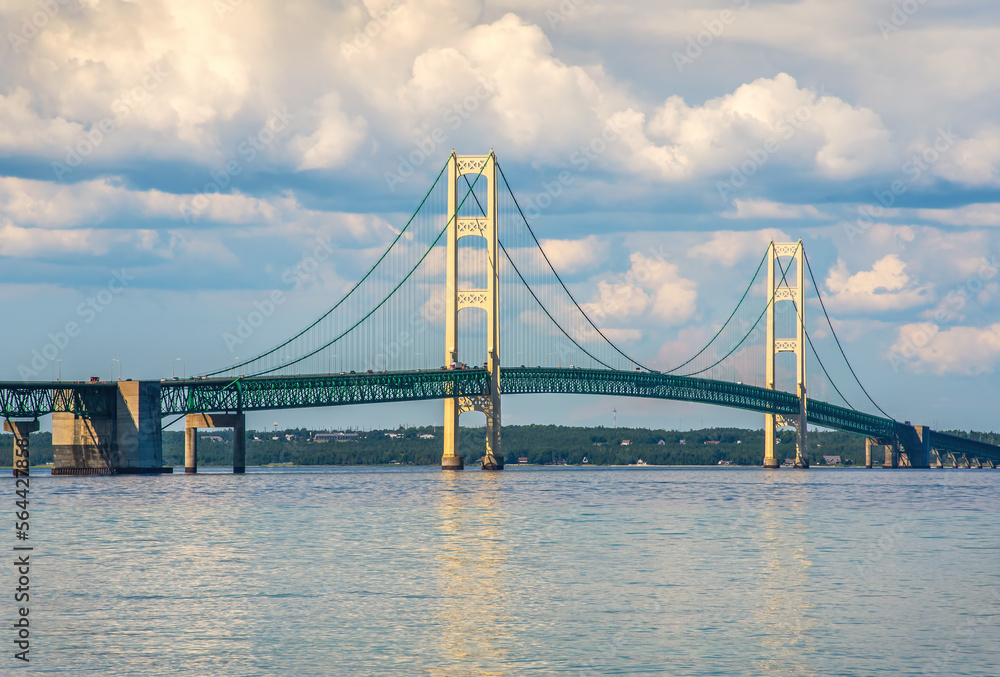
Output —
<point x="538" y="444"/>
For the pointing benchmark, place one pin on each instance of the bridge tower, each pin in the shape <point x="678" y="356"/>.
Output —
<point x="796" y="295"/>
<point x="488" y="299"/>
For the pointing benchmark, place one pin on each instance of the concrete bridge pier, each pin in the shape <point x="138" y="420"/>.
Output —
<point x="113" y="430"/>
<point x="891" y="455"/>
<point x="21" y="429"/>
<point x="190" y="449"/>
<point x="235" y="421"/>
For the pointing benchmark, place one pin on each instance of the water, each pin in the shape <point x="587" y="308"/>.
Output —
<point x="591" y="571"/>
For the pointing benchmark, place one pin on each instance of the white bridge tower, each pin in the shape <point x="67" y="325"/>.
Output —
<point x="796" y="295"/>
<point x="488" y="299"/>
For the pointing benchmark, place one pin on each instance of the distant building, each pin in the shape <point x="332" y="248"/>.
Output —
<point x="683" y="442"/>
<point x="212" y="438"/>
<point x="711" y="441"/>
<point x="394" y="436"/>
<point x="832" y="460"/>
<point x="426" y="436"/>
<point x="336" y="437"/>
<point x="522" y="459"/>
<point x="661" y="443"/>
<point x="626" y="443"/>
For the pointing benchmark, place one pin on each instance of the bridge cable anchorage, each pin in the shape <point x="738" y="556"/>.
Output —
<point x="537" y="300"/>
<point x="347" y="295"/>
<point x="381" y="303"/>
<point x="726" y="323"/>
<point x="835" y="338"/>
<point x="810" y="342"/>
<point x="563" y="284"/>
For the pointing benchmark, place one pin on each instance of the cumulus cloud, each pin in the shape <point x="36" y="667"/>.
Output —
<point x="815" y="131"/>
<point x="99" y="206"/>
<point x="335" y="138"/>
<point x="24" y="131"/>
<point x="650" y="287"/>
<point x="34" y="242"/>
<point x="539" y="98"/>
<point x="886" y="286"/>
<point x="729" y="247"/>
<point x="965" y="351"/>
<point x="571" y="256"/>
<point x="974" y="161"/>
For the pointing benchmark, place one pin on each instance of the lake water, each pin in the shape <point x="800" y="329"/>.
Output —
<point x="548" y="571"/>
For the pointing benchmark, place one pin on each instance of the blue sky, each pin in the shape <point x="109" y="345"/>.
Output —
<point x="867" y="129"/>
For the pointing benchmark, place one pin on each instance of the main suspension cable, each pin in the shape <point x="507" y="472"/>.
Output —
<point x="347" y="295"/>
<point x="563" y="284"/>
<point x="835" y="338"/>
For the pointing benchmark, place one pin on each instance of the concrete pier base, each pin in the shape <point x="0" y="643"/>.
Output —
<point x="21" y="459"/>
<point x="771" y="463"/>
<point x="238" y="422"/>
<point x="919" y="455"/>
<point x="891" y="458"/>
<point x="491" y="462"/>
<point x="452" y="463"/>
<point x="868" y="452"/>
<point x="116" y="431"/>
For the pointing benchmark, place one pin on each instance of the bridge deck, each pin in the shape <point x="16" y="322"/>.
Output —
<point x="218" y="395"/>
<point x="285" y="392"/>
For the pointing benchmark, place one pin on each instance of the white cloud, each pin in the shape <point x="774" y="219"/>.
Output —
<point x="885" y="287"/>
<point x="971" y="215"/>
<point x="818" y="132"/>
<point x="764" y="209"/>
<point x="336" y="137"/>
<point x="44" y="205"/>
<point x="24" y="131"/>
<point x="966" y="351"/>
<point x="571" y="256"/>
<point x="729" y="247"/>
<point x="650" y="287"/>
<point x="974" y="161"/>
<point x="539" y="98"/>
<point x="622" y="335"/>
<point x="33" y="242"/>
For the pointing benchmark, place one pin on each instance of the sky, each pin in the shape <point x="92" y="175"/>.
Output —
<point x="163" y="165"/>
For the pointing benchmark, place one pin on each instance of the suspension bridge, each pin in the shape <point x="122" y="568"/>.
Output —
<point x="465" y="306"/>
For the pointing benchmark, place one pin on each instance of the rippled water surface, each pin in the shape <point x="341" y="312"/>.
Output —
<point x="411" y="571"/>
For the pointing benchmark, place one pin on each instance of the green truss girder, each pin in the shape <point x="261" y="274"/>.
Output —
<point x="294" y="392"/>
<point x="849" y="420"/>
<point x="22" y="399"/>
<point x="31" y="400"/>
<point x="288" y="392"/>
